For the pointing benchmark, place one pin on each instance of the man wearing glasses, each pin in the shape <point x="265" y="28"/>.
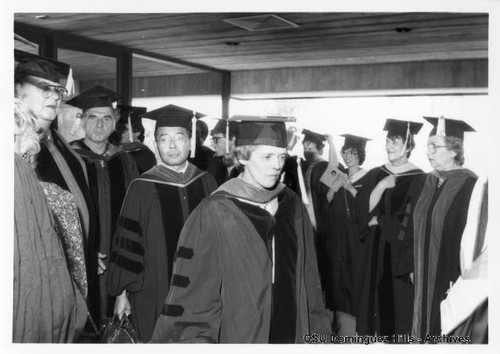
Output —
<point x="205" y="158"/>
<point x="153" y="213"/>
<point x="223" y="145"/>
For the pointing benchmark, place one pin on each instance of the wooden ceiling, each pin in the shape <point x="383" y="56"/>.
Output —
<point x="321" y="39"/>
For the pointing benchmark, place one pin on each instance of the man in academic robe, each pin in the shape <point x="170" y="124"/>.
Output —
<point x="205" y="158"/>
<point x="246" y="270"/>
<point x="155" y="208"/>
<point x="109" y="171"/>
<point x="129" y="136"/>
<point x="223" y="139"/>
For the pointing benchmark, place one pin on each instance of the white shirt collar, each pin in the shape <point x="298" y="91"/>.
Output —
<point x="170" y="168"/>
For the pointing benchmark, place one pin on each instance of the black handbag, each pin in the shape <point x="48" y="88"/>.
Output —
<point x="115" y="330"/>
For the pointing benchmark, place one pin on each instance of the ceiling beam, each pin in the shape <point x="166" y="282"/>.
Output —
<point x="169" y="59"/>
<point x="85" y="44"/>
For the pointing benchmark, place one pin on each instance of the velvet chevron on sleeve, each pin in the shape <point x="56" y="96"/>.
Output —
<point x="154" y="211"/>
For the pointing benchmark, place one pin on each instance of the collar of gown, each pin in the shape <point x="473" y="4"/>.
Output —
<point x="357" y="175"/>
<point x="457" y="172"/>
<point x="401" y="169"/>
<point x="243" y="190"/>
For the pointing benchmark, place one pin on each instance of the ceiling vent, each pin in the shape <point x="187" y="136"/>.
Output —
<point x="261" y="23"/>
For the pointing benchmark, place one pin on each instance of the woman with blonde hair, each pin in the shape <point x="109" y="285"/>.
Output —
<point x="49" y="300"/>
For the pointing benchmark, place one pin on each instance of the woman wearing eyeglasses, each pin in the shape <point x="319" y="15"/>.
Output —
<point x="49" y="275"/>
<point x="440" y="217"/>
<point x="383" y="280"/>
<point x="342" y="242"/>
<point x="37" y="86"/>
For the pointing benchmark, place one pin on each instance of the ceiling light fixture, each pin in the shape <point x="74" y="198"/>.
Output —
<point x="266" y="22"/>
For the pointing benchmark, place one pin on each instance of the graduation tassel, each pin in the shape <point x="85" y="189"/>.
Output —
<point x="273" y="260"/>
<point x="130" y="134"/>
<point x="193" y="135"/>
<point x="301" y="183"/>
<point x="227" y="137"/>
<point x="70" y="83"/>
<point x="403" y="153"/>
<point x="441" y="127"/>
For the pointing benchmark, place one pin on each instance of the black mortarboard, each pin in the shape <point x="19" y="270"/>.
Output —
<point x="402" y="128"/>
<point x="261" y="130"/>
<point x="353" y="141"/>
<point x="316" y="138"/>
<point x="175" y="116"/>
<point x="228" y="128"/>
<point x="96" y="96"/>
<point x="449" y="127"/>
<point x="220" y="127"/>
<point x="134" y="113"/>
<point x="45" y="68"/>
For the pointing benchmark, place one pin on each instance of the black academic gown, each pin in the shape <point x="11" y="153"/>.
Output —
<point x="289" y="175"/>
<point x="144" y="158"/>
<point x="109" y="177"/>
<point x="223" y="289"/>
<point x="321" y="211"/>
<point x="342" y="249"/>
<point x="205" y="160"/>
<point x="59" y="164"/>
<point x="385" y="303"/>
<point x="439" y="220"/>
<point x="153" y="214"/>
<point x="47" y="305"/>
<point x="321" y="208"/>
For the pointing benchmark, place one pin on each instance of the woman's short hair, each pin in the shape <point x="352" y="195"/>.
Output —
<point x="457" y="145"/>
<point x="410" y="145"/>
<point x="317" y="142"/>
<point x="243" y="152"/>
<point x="30" y="138"/>
<point x="361" y="152"/>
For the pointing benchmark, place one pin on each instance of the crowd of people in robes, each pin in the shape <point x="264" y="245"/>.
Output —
<point x="245" y="243"/>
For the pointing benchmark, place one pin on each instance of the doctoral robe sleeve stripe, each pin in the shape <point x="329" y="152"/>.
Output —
<point x="172" y="310"/>
<point x="126" y="263"/>
<point x="184" y="252"/>
<point x="180" y="281"/>
<point x="406" y="220"/>
<point x="131" y="246"/>
<point x="129" y="224"/>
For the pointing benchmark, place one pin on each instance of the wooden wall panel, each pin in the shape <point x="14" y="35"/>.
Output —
<point x="413" y="75"/>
